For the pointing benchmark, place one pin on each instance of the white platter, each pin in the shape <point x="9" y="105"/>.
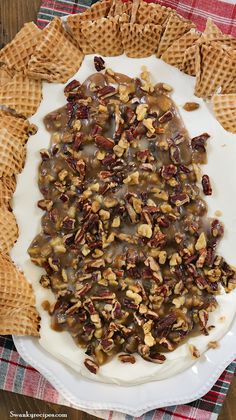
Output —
<point x="197" y="380"/>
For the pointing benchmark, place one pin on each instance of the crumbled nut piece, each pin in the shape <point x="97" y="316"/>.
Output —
<point x="77" y="125"/>
<point x="175" y="259"/>
<point x="149" y="340"/>
<point x="91" y="366"/>
<point x="178" y="302"/>
<point x="145" y="230"/>
<point x="148" y="123"/>
<point x="194" y="351"/>
<point x="134" y="296"/>
<point x="162" y="257"/>
<point x="127" y="358"/>
<point x="116" y="222"/>
<point x="191" y="106"/>
<point x="167" y="87"/>
<point x="105" y="215"/>
<point x="141" y="111"/>
<point x="132" y="179"/>
<point x="201" y="242"/>
<point x="213" y="345"/>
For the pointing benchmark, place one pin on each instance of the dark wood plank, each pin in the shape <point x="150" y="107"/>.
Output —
<point x="19" y="404"/>
<point x="13" y="14"/>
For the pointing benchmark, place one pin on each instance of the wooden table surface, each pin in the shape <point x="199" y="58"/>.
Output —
<point x="13" y="14"/>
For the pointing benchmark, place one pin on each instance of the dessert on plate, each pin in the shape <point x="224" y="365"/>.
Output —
<point x="125" y="242"/>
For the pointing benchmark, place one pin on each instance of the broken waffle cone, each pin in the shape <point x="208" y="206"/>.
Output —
<point x="12" y="154"/>
<point x="118" y="7"/>
<point x="74" y="22"/>
<point x="8" y="229"/>
<point x="140" y="40"/>
<point x="56" y="57"/>
<point x="189" y="60"/>
<point x="152" y="13"/>
<point x="213" y="34"/>
<point x="17" y="53"/>
<point x="176" y="26"/>
<point x="18" y="314"/>
<point x="6" y="75"/>
<point x="7" y="188"/>
<point x="174" y="55"/>
<point x="16" y="126"/>
<point x="231" y="87"/>
<point x="104" y="36"/>
<point x="224" y="107"/>
<point x="21" y="94"/>
<point x="215" y="69"/>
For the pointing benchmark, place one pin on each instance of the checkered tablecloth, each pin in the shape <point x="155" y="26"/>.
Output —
<point x="15" y="374"/>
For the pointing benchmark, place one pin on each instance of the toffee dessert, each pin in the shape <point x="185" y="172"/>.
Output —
<point x="126" y="244"/>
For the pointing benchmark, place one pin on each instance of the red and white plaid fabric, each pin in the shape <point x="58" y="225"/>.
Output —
<point x="15" y="374"/>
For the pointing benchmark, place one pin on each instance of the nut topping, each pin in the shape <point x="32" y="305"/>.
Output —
<point x="125" y="243"/>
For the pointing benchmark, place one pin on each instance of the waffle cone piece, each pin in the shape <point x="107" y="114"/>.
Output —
<point x="104" y="36"/>
<point x="22" y="95"/>
<point x="118" y="7"/>
<point x="17" y="53"/>
<point x="56" y="57"/>
<point x="224" y="107"/>
<point x="12" y="154"/>
<point x="74" y="22"/>
<point x="16" y="126"/>
<point x="6" y="75"/>
<point x="8" y="229"/>
<point x="140" y="40"/>
<point x="7" y="188"/>
<point x="152" y="13"/>
<point x="189" y="60"/>
<point x="213" y="34"/>
<point x="215" y="69"/>
<point x="18" y="314"/>
<point x="176" y="26"/>
<point x="175" y="54"/>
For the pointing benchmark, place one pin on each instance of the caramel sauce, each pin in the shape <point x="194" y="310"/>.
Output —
<point x="97" y="254"/>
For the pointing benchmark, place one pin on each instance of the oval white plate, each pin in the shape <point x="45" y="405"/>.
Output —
<point x="195" y="381"/>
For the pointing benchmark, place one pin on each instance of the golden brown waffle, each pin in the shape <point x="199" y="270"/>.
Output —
<point x="104" y="36"/>
<point x="56" y="57"/>
<point x="7" y="188"/>
<point x="12" y="154"/>
<point x="22" y="94"/>
<point x="118" y="7"/>
<point x="231" y="87"/>
<point x="8" y="229"/>
<point x="213" y="34"/>
<point x="16" y="126"/>
<point x="175" y="54"/>
<point x="140" y="40"/>
<point x="74" y="22"/>
<point x="189" y="60"/>
<point x="224" y="107"/>
<point x="18" y="314"/>
<point x="152" y="13"/>
<point x="17" y="53"/>
<point x="176" y="26"/>
<point x="6" y="75"/>
<point x="215" y="70"/>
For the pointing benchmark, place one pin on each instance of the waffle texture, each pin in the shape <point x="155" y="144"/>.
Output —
<point x="12" y="154"/>
<point x="152" y="13"/>
<point x="140" y="40"/>
<point x="56" y="57"/>
<point x="16" y="126"/>
<point x="175" y="27"/>
<point x="175" y="54"/>
<point x="8" y="229"/>
<point x="75" y="22"/>
<point x="7" y="188"/>
<point x="224" y="107"/>
<point x="17" y="303"/>
<point x="215" y="69"/>
<point x="22" y="94"/>
<point x="104" y="36"/>
<point x="17" y="53"/>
